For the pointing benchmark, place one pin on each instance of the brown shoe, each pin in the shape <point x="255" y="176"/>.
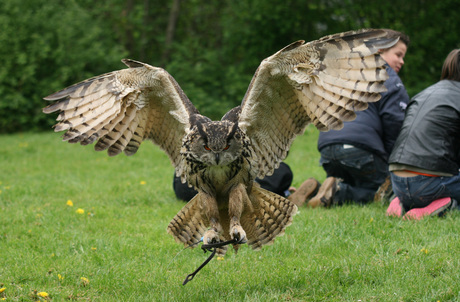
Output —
<point x="385" y="192"/>
<point x="325" y="194"/>
<point x="306" y="190"/>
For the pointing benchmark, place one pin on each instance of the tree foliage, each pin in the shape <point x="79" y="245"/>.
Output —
<point x="211" y="47"/>
<point x="46" y="45"/>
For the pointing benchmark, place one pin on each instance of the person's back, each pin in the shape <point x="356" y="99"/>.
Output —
<point x="435" y="114"/>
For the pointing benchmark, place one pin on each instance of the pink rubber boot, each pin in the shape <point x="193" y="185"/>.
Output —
<point x="432" y="209"/>
<point x="395" y="209"/>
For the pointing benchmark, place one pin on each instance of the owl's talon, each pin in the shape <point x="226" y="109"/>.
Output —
<point x="211" y="236"/>
<point x="238" y="234"/>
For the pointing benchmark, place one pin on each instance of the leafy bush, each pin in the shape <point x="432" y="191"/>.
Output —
<point x="45" y="45"/>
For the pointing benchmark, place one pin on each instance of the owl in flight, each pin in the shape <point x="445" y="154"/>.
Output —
<point x="321" y="82"/>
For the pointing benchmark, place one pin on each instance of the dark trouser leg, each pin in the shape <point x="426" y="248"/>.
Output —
<point x="362" y="172"/>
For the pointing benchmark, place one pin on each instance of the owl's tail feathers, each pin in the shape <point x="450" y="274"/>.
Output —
<point x="270" y="217"/>
<point x="190" y="224"/>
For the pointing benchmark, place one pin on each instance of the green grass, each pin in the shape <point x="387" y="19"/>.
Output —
<point x="120" y="244"/>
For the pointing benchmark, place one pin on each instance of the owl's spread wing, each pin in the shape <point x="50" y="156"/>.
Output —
<point x="321" y="82"/>
<point x="121" y="109"/>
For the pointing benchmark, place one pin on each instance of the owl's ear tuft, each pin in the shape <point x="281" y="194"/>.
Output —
<point x="233" y="130"/>
<point x="200" y="127"/>
<point x="195" y="119"/>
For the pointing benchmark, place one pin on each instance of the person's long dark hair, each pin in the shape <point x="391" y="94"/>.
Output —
<point x="451" y="66"/>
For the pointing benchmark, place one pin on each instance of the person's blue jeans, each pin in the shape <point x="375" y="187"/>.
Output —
<point x="362" y="172"/>
<point x="419" y="191"/>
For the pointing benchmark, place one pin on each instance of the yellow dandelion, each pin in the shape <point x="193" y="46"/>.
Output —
<point x="60" y="277"/>
<point x="2" y="299"/>
<point x="220" y="258"/>
<point x="93" y="248"/>
<point x="69" y="203"/>
<point x="2" y="289"/>
<point x="143" y="182"/>
<point x="371" y="220"/>
<point x="84" y="281"/>
<point x="42" y="294"/>
<point x="80" y="211"/>
<point x="424" y="250"/>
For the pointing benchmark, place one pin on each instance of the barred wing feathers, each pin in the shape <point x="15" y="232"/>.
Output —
<point x="121" y="109"/>
<point x="321" y="82"/>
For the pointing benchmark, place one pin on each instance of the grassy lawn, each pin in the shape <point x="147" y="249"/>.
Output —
<point x="112" y="245"/>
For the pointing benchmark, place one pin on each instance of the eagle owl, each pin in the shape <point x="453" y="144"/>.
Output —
<point x="321" y="82"/>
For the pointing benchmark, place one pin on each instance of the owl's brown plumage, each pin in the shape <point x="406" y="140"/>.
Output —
<point x="321" y="82"/>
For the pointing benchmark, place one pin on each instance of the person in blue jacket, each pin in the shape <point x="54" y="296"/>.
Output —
<point x="355" y="158"/>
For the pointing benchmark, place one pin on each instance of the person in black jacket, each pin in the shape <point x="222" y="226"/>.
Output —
<point x="355" y="158"/>
<point x="425" y="161"/>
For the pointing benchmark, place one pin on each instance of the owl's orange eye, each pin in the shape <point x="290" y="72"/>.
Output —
<point x="228" y="146"/>
<point x="206" y="148"/>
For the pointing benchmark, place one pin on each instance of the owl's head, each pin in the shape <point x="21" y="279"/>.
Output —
<point x="216" y="143"/>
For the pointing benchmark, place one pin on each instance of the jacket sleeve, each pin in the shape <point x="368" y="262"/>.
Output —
<point x="392" y="106"/>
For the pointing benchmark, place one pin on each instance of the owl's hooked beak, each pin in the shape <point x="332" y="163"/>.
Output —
<point x="217" y="158"/>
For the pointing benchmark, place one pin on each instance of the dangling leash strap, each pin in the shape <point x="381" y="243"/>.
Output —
<point x="212" y="247"/>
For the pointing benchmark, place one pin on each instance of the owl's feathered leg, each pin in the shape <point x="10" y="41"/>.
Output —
<point x="238" y="197"/>
<point x="209" y="203"/>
